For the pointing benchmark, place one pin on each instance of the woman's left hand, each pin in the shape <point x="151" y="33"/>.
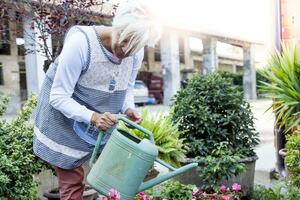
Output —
<point x="133" y="115"/>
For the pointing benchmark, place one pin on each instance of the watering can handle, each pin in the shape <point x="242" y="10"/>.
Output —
<point x="96" y="149"/>
<point x="135" y="125"/>
<point x="101" y="133"/>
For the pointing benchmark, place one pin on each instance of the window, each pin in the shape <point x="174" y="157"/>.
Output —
<point x="4" y="37"/>
<point x="23" y="84"/>
<point x="19" y="33"/>
<point x="181" y="49"/>
<point x="1" y="75"/>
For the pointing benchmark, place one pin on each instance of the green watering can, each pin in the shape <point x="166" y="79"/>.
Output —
<point x="125" y="161"/>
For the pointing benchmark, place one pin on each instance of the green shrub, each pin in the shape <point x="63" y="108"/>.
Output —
<point x="263" y="193"/>
<point x="279" y="191"/>
<point x="175" y="190"/>
<point x="236" y="78"/>
<point x="166" y="136"/>
<point x="3" y="104"/>
<point x="18" y="164"/>
<point x="292" y="159"/>
<point x="218" y="167"/>
<point x="212" y="110"/>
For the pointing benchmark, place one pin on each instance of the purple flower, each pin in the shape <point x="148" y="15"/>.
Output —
<point x="225" y="197"/>
<point x="223" y="189"/>
<point x="113" y="194"/>
<point x="236" y="187"/>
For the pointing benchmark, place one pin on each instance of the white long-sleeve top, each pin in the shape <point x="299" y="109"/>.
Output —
<point x="71" y="63"/>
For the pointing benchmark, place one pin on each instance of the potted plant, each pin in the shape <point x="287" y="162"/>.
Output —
<point x="212" y="111"/>
<point x="224" y="193"/>
<point x="283" y="86"/>
<point x="17" y="161"/>
<point x="176" y="190"/>
<point x="166" y="136"/>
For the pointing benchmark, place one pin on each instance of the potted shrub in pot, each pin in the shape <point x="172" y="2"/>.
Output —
<point x="283" y="86"/>
<point x="212" y="111"/>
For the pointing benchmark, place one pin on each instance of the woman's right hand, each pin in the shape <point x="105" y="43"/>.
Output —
<point x="104" y="121"/>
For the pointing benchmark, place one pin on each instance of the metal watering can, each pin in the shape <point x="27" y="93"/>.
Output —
<point x="125" y="161"/>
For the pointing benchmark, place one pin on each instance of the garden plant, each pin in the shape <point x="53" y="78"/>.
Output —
<point x="167" y="137"/>
<point x="18" y="164"/>
<point x="219" y="127"/>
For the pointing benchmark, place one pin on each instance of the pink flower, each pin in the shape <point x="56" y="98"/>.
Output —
<point x="236" y="187"/>
<point x="113" y="194"/>
<point x="225" y="197"/>
<point x="195" y="191"/>
<point x="223" y="188"/>
<point x="142" y="196"/>
<point x="150" y="197"/>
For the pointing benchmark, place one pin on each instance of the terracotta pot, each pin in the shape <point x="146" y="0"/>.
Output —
<point x="88" y="194"/>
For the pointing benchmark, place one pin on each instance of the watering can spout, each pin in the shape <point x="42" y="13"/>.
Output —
<point x="146" y="185"/>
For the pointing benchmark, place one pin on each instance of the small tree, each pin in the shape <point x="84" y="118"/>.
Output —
<point x="52" y="17"/>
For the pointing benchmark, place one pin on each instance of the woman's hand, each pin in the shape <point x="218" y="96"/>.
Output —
<point x="133" y="115"/>
<point x="104" y="121"/>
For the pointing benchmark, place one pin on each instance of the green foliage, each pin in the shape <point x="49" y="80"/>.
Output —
<point x="260" y="79"/>
<point x="262" y="193"/>
<point x="278" y="191"/>
<point x="176" y="190"/>
<point x="166" y="135"/>
<point x="211" y="110"/>
<point x="18" y="164"/>
<point x="283" y="75"/>
<point x="3" y="104"/>
<point x="236" y="78"/>
<point x="219" y="166"/>
<point x="292" y="159"/>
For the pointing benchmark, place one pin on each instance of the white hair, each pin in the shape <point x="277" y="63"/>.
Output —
<point x="134" y="22"/>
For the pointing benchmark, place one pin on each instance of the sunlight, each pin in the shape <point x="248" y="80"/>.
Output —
<point x="244" y="19"/>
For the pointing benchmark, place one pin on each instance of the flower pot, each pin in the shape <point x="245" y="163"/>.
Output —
<point x="88" y="194"/>
<point x="152" y="173"/>
<point x="282" y="153"/>
<point x="245" y="179"/>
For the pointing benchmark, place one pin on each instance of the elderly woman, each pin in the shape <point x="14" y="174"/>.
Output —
<point x="90" y="82"/>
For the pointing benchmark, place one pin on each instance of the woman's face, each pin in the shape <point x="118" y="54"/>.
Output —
<point x="119" y="48"/>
